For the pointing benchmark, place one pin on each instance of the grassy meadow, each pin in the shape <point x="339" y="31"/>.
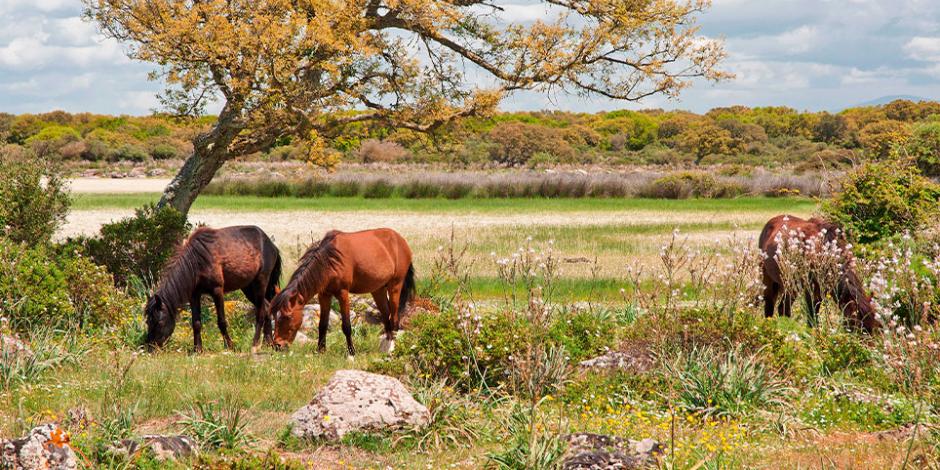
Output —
<point x="671" y="280"/>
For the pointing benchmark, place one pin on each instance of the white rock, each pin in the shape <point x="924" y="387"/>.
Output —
<point x="354" y="400"/>
<point x="45" y="447"/>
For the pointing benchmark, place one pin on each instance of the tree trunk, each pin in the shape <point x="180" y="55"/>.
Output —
<point x="210" y="152"/>
<point x="192" y="178"/>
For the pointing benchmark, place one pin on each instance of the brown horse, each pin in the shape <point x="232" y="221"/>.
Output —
<point x="372" y="261"/>
<point x="854" y="303"/>
<point x="214" y="262"/>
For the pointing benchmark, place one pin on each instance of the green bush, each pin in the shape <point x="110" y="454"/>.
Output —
<point x="35" y="197"/>
<point x="924" y="147"/>
<point x="727" y="383"/>
<point x="378" y="189"/>
<point x="686" y="184"/>
<point x="40" y="286"/>
<point x="435" y="346"/>
<point x="584" y="333"/>
<point x="883" y="199"/>
<point x="138" y="246"/>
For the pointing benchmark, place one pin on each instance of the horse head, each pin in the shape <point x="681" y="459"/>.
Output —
<point x="160" y="321"/>
<point x="288" y="315"/>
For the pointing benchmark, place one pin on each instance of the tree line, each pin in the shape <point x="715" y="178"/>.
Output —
<point x="767" y="136"/>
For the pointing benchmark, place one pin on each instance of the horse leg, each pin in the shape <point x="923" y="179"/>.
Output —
<point x="770" y="296"/>
<point x="816" y="301"/>
<point x="381" y="302"/>
<point x="196" y="304"/>
<point x="254" y="292"/>
<point x="325" y="300"/>
<point x="347" y="325"/>
<point x="786" y="305"/>
<point x="220" y="317"/>
<point x="394" y="295"/>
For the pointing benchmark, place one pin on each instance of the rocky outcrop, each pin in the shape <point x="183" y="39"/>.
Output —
<point x="635" y="358"/>
<point x="46" y="447"/>
<point x="163" y="447"/>
<point x="354" y="400"/>
<point x="588" y="451"/>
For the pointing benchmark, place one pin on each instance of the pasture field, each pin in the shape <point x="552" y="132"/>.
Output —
<point x="725" y="388"/>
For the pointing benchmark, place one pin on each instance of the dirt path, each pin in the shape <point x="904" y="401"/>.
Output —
<point x="117" y="185"/>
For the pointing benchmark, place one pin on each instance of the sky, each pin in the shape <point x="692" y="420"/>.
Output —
<point x="806" y="54"/>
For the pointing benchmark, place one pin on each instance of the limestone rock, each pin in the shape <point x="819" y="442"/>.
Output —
<point x="164" y="447"/>
<point x="354" y="400"/>
<point x="45" y="447"/>
<point x="587" y="451"/>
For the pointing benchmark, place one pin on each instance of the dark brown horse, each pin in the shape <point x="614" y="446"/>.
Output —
<point x="214" y="262"/>
<point x="854" y="303"/>
<point x="372" y="261"/>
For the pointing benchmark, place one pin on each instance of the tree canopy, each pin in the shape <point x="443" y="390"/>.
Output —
<point x="296" y="69"/>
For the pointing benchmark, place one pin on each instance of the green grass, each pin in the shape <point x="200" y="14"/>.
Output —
<point x="346" y="204"/>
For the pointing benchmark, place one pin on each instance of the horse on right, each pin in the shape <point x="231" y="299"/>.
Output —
<point x="813" y="235"/>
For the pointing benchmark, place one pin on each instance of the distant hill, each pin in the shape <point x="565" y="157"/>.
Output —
<point x="887" y="99"/>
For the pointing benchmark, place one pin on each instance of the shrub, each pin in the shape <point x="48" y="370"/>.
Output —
<point x="725" y="384"/>
<point x="217" y="425"/>
<point x="378" y="189"/>
<point x="56" y="289"/>
<point x="373" y="150"/>
<point x="684" y="185"/>
<point x="34" y="195"/>
<point x="138" y="246"/>
<point x="516" y="143"/>
<point x="880" y="138"/>
<point x="584" y="333"/>
<point x="882" y="199"/>
<point x="924" y="147"/>
<point x="435" y="345"/>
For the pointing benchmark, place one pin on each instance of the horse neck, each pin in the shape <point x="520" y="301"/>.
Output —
<point x="179" y="281"/>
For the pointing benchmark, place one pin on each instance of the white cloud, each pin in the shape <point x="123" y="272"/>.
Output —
<point x="923" y="48"/>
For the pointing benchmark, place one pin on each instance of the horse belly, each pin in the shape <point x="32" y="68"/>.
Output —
<point x="238" y="272"/>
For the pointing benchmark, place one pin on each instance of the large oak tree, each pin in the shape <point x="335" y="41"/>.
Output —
<point x="299" y="69"/>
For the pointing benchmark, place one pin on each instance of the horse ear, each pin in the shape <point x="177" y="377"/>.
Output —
<point x="157" y="301"/>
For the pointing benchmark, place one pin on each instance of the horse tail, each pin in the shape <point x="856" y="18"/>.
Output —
<point x="275" y="279"/>
<point x="407" y="290"/>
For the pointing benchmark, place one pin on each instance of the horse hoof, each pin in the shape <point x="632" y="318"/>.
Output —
<point x="254" y="350"/>
<point x="386" y="346"/>
<point x="351" y="358"/>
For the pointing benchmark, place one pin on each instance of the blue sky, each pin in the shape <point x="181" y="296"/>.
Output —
<point x="808" y="54"/>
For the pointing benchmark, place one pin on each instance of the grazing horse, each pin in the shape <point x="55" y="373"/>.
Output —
<point x="372" y="261"/>
<point x="214" y="262"/>
<point x="855" y="304"/>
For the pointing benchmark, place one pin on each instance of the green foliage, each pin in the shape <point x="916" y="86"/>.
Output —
<point x="870" y="413"/>
<point x="924" y="147"/>
<point x="217" y="425"/>
<point x="48" y="353"/>
<point x="882" y="199"/>
<point x="532" y="444"/>
<point x="34" y="197"/>
<point x="140" y="245"/>
<point x="728" y="383"/>
<point x="516" y="143"/>
<point x="842" y="351"/>
<point x="437" y="347"/>
<point x="584" y="333"/>
<point x="686" y="184"/>
<point x="42" y="286"/>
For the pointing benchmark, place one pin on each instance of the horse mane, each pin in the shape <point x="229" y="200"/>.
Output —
<point x="177" y="278"/>
<point x="312" y="271"/>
